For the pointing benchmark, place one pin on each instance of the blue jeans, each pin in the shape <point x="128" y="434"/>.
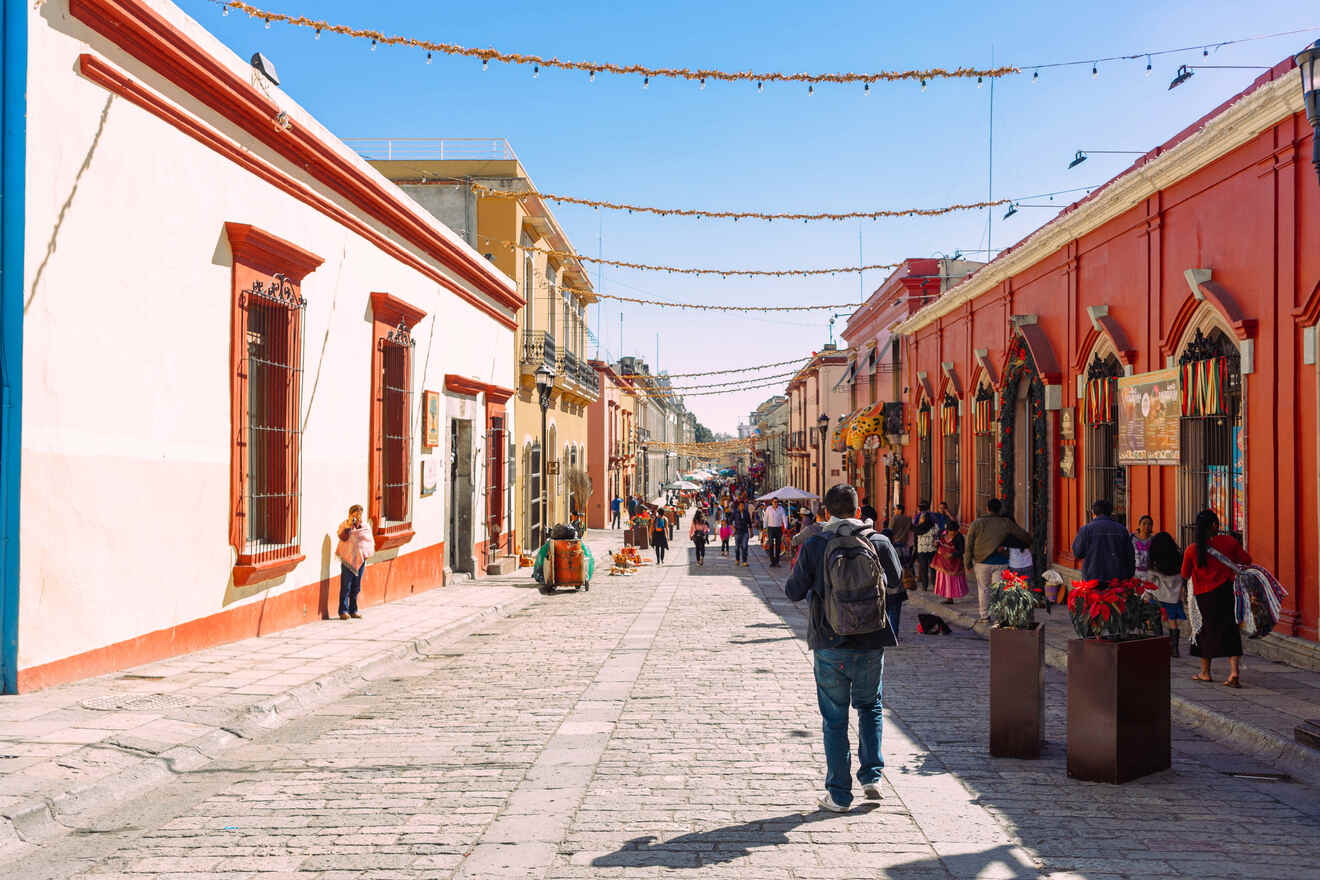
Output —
<point x="843" y="676"/>
<point x="740" y="546"/>
<point x="350" y="584"/>
<point x="894" y="605"/>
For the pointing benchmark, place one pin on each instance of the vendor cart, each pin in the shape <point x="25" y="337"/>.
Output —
<point x="567" y="564"/>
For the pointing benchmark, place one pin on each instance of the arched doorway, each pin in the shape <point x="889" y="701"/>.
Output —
<point x="1024" y="454"/>
<point x="1105" y="477"/>
<point x="1212" y="438"/>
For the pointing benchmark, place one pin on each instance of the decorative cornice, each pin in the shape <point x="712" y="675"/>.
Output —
<point x="1237" y="124"/>
<point x="259" y="249"/>
<point x="146" y="35"/>
<point x="467" y="385"/>
<point x="393" y="310"/>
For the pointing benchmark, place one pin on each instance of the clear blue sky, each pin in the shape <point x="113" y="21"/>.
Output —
<point x="729" y="147"/>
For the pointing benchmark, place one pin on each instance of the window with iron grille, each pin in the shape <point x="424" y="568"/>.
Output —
<point x="273" y="369"/>
<point x="391" y="466"/>
<point x="266" y="354"/>
<point x="396" y="445"/>
<point x="951" y="435"/>
<point x="983" y="434"/>
<point x="925" y="454"/>
<point x="532" y="497"/>
<point x="1211" y="434"/>
<point x="495" y="482"/>
<point x="1105" y="477"/>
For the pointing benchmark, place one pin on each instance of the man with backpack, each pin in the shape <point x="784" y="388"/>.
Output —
<point x="847" y="573"/>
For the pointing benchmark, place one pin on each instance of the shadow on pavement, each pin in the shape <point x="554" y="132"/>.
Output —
<point x="715" y="846"/>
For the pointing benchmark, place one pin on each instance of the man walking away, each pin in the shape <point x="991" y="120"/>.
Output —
<point x="985" y="553"/>
<point x="742" y="531"/>
<point x="843" y="572"/>
<point x="1104" y="546"/>
<point x="775" y="521"/>
<point x="616" y="506"/>
<point x="900" y="534"/>
<point x="632" y="508"/>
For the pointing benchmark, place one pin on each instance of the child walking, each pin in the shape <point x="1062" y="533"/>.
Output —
<point x="726" y="532"/>
<point x="1165" y="571"/>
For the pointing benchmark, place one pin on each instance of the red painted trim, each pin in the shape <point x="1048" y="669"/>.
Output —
<point x="115" y="81"/>
<point x="1308" y="313"/>
<point x="146" y="35"/>
<point x="382" y="582"/>
<point x="391" y="309"/>
<point x="389" y="537"/>
<point x="467" y="385"/>
<point x="256" y="572"/>
<point x="1042" y="352"/>
<point x="1218" y="298"/>
<point x="1110" y="329"/>
<point x="270" y="253"/>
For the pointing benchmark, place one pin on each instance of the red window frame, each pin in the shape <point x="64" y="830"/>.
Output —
<point x="263" y="262"/>
<point x="392" y="320"/>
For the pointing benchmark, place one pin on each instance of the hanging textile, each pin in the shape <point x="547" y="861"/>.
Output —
<point x="1099" y="400"/>
<point x="923" y="422"/>
<point x="949" y="420"/>
<point x="1203" y="387"/>
<point x="983" y="415"/>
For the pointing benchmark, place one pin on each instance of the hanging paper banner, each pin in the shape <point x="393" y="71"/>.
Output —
<point x="1148" y="418"/>
<point x="1203" y="384"/>
<point x="923" y="422"/>
<point x="1099" y="400"/>
<point x="949" y="420"/>
<point x="983" y="415"/>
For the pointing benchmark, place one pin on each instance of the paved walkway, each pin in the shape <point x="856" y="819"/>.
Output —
<point x="1259" y="718"/>
<point x="665" y="724"/>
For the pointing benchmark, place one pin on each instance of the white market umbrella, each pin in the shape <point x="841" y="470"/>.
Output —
<point x="684" y="485"/>
<point x="789" y="493"/>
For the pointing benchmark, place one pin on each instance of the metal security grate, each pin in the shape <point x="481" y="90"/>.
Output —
<point x="925" y="454"/>
<point x="952" y="448"/>
<point x="1105" y="477"/>
<point x="396" y="426"/>
<point x="272" y="451"/>
<point x="1210" y="455"/>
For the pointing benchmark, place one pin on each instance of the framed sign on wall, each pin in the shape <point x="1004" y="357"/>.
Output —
<point x="430" y="419"/>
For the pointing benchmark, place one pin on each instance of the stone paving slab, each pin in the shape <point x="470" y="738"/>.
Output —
<point x="62" y="763"/>
<point x="1259" y="718"/>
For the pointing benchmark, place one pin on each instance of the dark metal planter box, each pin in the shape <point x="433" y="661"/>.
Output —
<point x="1118" y="709"/>
<point x="642" y="534"/>
<point x="1017" y="692"/>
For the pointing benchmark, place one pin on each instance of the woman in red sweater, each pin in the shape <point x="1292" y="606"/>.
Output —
<point x="1212" y="582"/>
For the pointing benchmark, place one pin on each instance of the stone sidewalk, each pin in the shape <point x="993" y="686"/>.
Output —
<point x="1258" y="719"/>
<point x="71" y="752"/>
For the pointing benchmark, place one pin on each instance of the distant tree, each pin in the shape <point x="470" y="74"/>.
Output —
<point x="703" y="434"/>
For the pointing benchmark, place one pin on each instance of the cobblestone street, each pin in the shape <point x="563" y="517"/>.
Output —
<point x="666" y="725"/>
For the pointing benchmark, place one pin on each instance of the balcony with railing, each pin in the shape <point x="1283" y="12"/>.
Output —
<point x="576" y="377"/>
<point x="437" y="149"/>
<point x="538" y="351"/>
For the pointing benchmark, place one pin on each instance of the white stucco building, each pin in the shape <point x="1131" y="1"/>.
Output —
<point x="232" y="328"/>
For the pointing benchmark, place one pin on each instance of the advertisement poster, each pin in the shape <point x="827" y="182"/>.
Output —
<point x="1148" y="418"/>
<point x="1218" y="479"/>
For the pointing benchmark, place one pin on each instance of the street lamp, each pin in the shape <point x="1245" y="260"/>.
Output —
<point x="1083" y="155"/>
<point x="1308" y="62"/>
<point x="545" y="384"/>
<point x="824" y="422"/>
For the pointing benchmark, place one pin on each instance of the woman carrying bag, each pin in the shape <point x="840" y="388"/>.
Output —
<point x="699" y="531"/>
<point x="660" y="536"/>
<point x="1211" y="606"/>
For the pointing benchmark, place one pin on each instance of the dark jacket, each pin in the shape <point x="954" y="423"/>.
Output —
<point x="741" y="521"/>
<point x="1106" y="550"/>
<point x="808" y="581"/>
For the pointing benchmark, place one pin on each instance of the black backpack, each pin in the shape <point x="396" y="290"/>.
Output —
<point x="854" y="584"/>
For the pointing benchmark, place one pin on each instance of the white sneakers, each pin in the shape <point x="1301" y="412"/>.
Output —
<point x="826" y="802"/>
<point x="872" y="791"/>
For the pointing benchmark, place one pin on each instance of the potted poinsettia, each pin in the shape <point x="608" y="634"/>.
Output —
<point x="1118" y="683"/>
<point x="1017" y="670"/>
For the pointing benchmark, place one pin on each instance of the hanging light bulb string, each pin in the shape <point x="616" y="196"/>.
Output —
<point x="689" y="270"/>
<point x="797" y="360"/>
<point x="742" y="381"/>
<point x="760" y="78"/>
<point x="710" y="307"/>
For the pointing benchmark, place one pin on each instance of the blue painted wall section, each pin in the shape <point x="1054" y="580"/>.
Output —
<point x="13" y="171"/>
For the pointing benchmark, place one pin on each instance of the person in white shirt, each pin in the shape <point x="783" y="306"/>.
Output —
<point x="775" y="518"/>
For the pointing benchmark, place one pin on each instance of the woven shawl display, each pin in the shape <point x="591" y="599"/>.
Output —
<point x="1099" y="400"/>
<point x="1203" y="387"/>
<point x="983" y="416"/>
<point x="949" y="420"/>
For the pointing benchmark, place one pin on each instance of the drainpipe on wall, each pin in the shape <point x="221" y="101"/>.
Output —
<point x="13" y="166"/>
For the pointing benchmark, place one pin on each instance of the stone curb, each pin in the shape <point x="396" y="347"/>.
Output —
<point x="39" y="819"/>
<point x="1298" y="760"/>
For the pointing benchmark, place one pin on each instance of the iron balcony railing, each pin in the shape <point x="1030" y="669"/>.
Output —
<point x="539" y="349"/>
<point x="438" y="149"/>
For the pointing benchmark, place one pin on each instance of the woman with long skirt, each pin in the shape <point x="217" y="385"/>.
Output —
<point x="1212" y="587"/>
<point x="950" y="575"/>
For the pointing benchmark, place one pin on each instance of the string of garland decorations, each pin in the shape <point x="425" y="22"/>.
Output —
<point x="688" y="270"/>
<point x="778" y="383"/>
<point x="700" y="446"/>
<point x="666" y="388"/>
<point x="709" y="307"/>
<point x="591" y="68"/>
<point x="797" y="360"/>
<point x="703" y="214"/>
